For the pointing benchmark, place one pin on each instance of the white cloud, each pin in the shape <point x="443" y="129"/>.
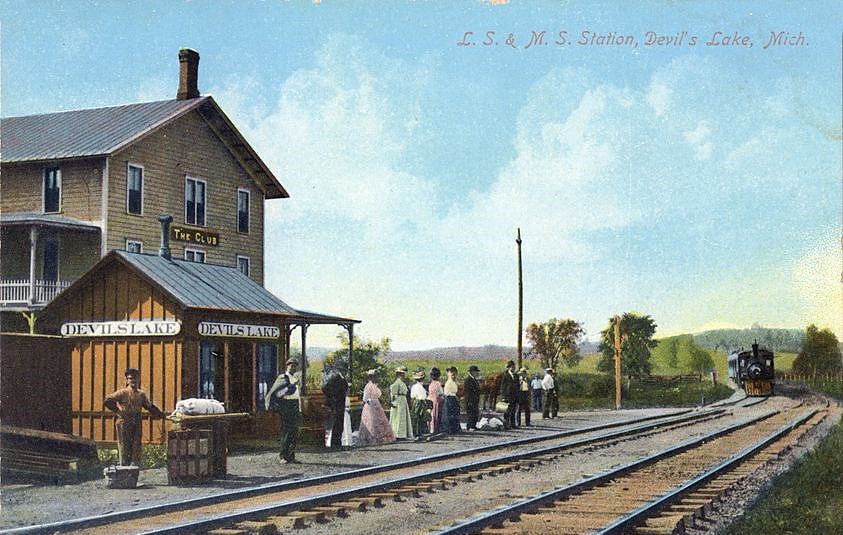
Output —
<point x="817" y="278"/>
<point x="700" y="140"/>
<point x="658" y="97"/>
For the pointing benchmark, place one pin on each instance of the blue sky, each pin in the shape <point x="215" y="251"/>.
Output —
<point x="698" y="184"/>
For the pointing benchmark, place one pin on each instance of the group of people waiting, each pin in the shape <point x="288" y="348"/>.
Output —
<point x="418" y="410"/>
<point x="521" y="395"/>
<point x="415" y="411"/>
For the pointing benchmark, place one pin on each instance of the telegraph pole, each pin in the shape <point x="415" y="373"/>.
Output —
<point x="617" y="320"/>
<point x="520" y="299"/>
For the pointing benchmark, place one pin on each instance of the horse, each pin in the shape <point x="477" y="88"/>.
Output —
<point x="490" y="388"/>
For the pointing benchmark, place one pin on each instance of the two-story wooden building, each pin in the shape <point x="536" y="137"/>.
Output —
<point x="93" y="282"/>
<point x="79" y="184"/>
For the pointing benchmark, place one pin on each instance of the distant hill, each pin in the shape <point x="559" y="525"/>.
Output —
<point x="786" y="340"/>
<point x="488" y="352"/>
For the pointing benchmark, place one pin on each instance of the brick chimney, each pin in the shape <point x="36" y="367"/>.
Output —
<point x="188" y="74"/>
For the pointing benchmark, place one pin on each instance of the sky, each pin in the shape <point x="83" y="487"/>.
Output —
<point x="697" y="180"/>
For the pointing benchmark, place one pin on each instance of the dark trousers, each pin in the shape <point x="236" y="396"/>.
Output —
<point x="550" y="404"/>
<point x="509" y="415"/>
<point x="472" y="412"/>
<point x="537" y="399"/>
<point x="523" y="407"/>
<point x="129" y="442"/>
<point x="335" y="423"/>
<point x="289" y="428"/>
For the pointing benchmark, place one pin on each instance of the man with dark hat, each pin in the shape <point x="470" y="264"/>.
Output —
<point x="471" y="387"/>
<point x="335" y="390"/>
<point x="127" y="403"/>
<point x="283" y="397"/>
<point x="509" y="393"/>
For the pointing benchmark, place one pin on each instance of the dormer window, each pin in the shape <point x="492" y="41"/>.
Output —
<point x="52" y="190"/>
<point x="194" y="201"/>
<point x="134" y="190"/>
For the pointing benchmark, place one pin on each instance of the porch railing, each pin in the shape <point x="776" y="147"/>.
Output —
<point x="17" y="291"/>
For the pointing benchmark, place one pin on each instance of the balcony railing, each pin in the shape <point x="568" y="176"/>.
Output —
<point x="17" y="292"/>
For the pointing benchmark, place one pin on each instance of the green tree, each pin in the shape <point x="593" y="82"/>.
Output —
<point x="700" y="360"/>
<point x="636" y="344"/>
<point x="554" y="341"/>
<point x="365" y="356"/>
<point x="673" y="352"/>
<point x="820" y="352"/>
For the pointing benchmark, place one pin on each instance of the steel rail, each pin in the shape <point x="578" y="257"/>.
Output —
<point x="635" y="517"/>
<point x="120" y="516"/>
<point x="225" y="519"/>
<point x="500" y="514"/>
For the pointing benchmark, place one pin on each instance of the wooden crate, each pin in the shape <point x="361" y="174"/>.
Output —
<point x="189" y="456"/>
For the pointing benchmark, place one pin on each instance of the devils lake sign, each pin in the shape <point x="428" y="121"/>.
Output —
<point x="121" y="328"/>
<point x="209" y="328"/>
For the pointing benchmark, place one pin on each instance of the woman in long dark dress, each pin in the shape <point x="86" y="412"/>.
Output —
<point x="452" y="403"/>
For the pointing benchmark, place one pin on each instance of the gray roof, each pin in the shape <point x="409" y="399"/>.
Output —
<point x="47" y="220"/>
<point x="84" y="133"/>
<point x="199" y="285"/>
<point x="205" y="286"/>
<point x="103" y="131"/>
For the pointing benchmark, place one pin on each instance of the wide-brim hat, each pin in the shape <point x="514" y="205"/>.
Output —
<point x="522" y="370"/>
<point x="372" y="372"/>
<point x="292" y="361"/>
<point x="548" y="369"/>
<point x="401" y="369"/>
<point x="473" y="368"/>
<point x="418" y="374"/>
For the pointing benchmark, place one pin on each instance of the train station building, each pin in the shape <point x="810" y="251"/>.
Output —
<point x="94" y="279"/>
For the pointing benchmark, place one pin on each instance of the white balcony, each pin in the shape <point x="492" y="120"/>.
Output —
<point x="21" y="293"/>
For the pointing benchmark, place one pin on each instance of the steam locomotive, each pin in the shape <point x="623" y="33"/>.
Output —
<point x="753" y="370"/>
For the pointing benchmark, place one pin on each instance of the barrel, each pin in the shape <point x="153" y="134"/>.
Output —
<point x="189" y="456"/>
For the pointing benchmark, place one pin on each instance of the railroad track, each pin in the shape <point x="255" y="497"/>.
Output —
<point x="663" y="493"/>
<point x="295" y="503"/>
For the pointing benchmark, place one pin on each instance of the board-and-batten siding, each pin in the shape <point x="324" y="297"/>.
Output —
<point x="186" y="147"/>
<point x="97" y="364"/>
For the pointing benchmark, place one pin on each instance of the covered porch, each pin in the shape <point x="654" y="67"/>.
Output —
<point x="42" y="255"/>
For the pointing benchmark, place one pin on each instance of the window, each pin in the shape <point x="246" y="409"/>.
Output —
<point x="134" y="246"/>
<point x="210" y="359"/>
<point x="194" y="255"/>
<point x="134" y="189"/>
<point x="267" y="363"/>
<point x="52" y="190"/>
<point x="194" y="201"/>
<point x="244" y="264"/>
<point x="243" y="211"/>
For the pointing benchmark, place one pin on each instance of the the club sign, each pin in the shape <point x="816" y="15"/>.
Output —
<point x="121" y="328"/>
<point x="240" y="330"/>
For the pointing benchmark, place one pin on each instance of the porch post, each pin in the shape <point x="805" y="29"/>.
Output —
<point x="350" y="328"/>
<point x="304" y="327"/>
<point x="33" y="243"/>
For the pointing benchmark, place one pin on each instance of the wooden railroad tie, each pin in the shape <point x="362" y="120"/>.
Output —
<point x="354" y="504"/>
<point x="257" y="527"/>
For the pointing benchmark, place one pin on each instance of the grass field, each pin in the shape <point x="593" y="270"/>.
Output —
<point x="807" y="500"/>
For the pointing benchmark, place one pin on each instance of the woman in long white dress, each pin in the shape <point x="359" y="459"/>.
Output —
<point x="374" y="426"/>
